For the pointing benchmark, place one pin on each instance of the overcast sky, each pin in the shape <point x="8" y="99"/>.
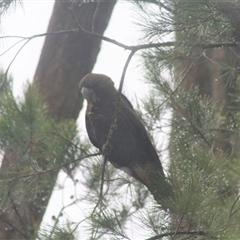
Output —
<point x="32" y="18"/>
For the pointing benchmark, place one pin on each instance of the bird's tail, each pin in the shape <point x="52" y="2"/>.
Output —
<point x="157" y="183"/>
<point x="162" y="190"/>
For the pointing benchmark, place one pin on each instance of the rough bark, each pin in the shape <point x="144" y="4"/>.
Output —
<point x="64" y="60"/>
<point x="215" y="74"/>
<point x="210" y="75"/>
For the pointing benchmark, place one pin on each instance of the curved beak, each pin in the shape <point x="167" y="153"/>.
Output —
<point x="88" y="94"/>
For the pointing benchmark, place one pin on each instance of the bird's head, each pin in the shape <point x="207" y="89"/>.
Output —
<point x="96" y="87"/>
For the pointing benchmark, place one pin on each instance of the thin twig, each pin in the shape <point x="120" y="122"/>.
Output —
<point x="179" y="107"/>
<point x="54" y="168"/>
<point x="59" y="215"/>
<point x="15" y="44"/>
<point x="232" y="207"/>
<point x="23" y="225"/>
<point x="75" y="228"/>
<point x="160" y="236"/>
<point x="181" y="110"/>
<point x="113" y="125"/>
<point x="41" y="34"/>
<point x="102" y="178"/>
<point x="10" y="64"/>
<point x="181" y="81"/>
<point x="125" y="70"/>
<point x="112" y="128"/>
<point x="187" y="71"/>
<point x="68" y="141"/>
<point x="12" y="226"/>
<point x="102" y="185"/>
<point x="133" y="48"/>
<point x="94" y="16"/>
<point x="125" y="46"/>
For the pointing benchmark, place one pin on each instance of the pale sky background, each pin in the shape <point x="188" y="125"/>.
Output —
<point x="32" y="18"/>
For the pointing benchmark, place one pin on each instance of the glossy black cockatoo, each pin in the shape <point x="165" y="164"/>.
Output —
<point x="130" y="148"/>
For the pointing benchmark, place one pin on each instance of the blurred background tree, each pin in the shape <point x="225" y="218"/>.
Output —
<point x="193" y="78"/>
<point x="65" y="59"/>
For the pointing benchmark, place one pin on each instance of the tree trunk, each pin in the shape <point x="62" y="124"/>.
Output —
<point x="215" y="74"/>
<point x="64" y="60"/>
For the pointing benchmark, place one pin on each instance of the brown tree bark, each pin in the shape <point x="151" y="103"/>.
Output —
<point x="64" y="60"/>
<point x="215" y="74"/>
<point x="214" y="79"/>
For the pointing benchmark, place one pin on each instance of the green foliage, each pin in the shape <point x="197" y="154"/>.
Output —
<point x="57" y="233"/>
<point x="203" y="152"/>
<point x="37" y="147"/>
<point x="205" y="179"/>
<point x="114" y="207"/>
<point x="200" y="21"/>
<point x="5" y="5"/>
<point x="33" y="147"/>
<point x="185" y="24"/>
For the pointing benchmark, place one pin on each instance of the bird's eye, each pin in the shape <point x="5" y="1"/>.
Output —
<point x="88" y="94"/>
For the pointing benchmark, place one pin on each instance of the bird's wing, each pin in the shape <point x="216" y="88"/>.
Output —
<point x="91" y="131"/>
<point x="132" y="123"/>
<point x="125" y="101"/>
<point x="144" y="164"/>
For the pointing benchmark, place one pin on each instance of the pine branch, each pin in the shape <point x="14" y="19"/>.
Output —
<point x="196" y="233"/>
<point x="40" y="172"/>
<point x="181" y="110"/>
<point x="120" y="44"/>
<point x="13" y="227"/>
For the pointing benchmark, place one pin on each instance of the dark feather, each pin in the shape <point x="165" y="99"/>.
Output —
<point x="130" y="146"/>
